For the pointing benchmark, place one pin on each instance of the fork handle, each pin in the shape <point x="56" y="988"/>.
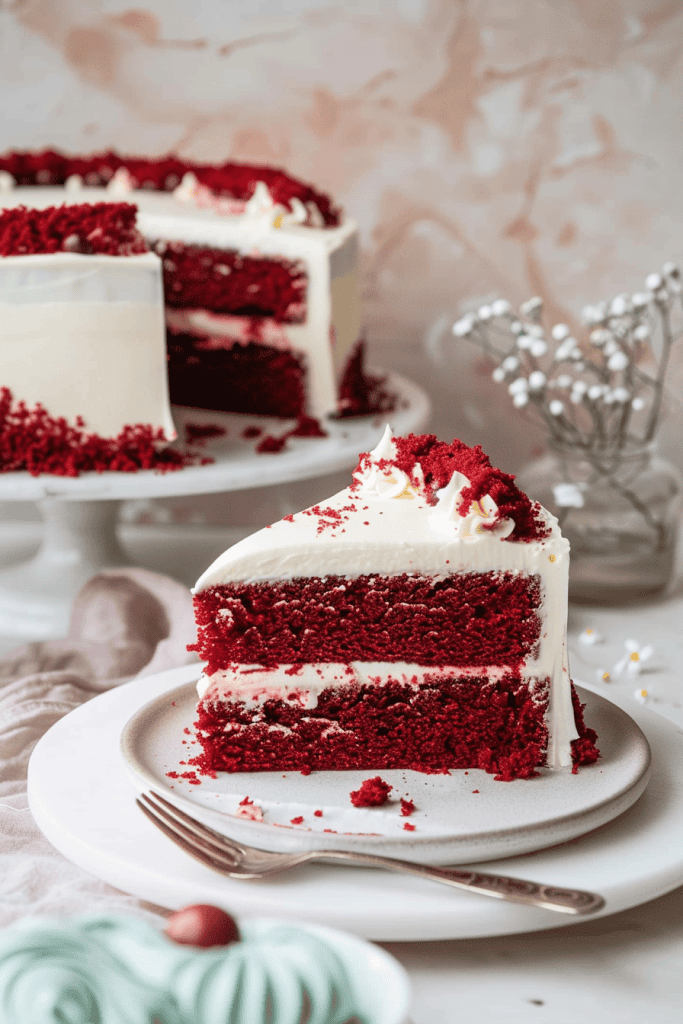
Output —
<point x="519" y="890"/>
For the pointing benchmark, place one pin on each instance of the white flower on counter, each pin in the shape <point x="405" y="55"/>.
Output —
<point x="602" y="675"/>
<point x="632" y="662"/>
<point x="642" y="696"/>
<point x="590" y="636"/>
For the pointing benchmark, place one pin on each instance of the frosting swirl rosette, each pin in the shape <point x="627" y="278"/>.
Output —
<point x="53" y="971"/>
<point x="113" y="970"/>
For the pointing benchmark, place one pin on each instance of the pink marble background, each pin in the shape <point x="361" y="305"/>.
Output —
<point x="485" y="147"/>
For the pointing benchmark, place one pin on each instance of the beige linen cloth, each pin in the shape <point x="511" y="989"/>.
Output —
<point x="125" y="623"/>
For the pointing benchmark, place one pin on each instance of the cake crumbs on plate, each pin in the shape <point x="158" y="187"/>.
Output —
<point x="372" y="793"/>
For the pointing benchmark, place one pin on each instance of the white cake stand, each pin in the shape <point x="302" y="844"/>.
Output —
<point x="81" y="513"/>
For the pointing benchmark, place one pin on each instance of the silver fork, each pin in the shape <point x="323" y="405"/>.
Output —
<point x="239" y="861"/>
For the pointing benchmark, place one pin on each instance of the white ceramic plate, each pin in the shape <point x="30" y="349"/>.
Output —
<point x="81" y="796"/>
<point x="459" y="818"/>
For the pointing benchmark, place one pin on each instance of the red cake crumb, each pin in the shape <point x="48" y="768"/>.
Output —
<point x="407" y="808"/>
<point x="251" y="432"/>
<point x="584" y="751"/>
<point x="199" y="433"/>
<point x="318" y="814"/>
<point x="372" y="793"/>
<point x="408" y="827"/>
<point x="475" y="790"/>
<point x="233" y="180"/>
<point x="271" y="444"/>
<point x="439" y="461"/>
<point x="33" y="441"/>
<point x="103" y="228"/>
<point x="308" y="426"/>
<point x="298" y="820"/>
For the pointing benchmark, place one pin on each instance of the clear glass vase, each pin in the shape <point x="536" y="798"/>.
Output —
<point x="619" y="510"/>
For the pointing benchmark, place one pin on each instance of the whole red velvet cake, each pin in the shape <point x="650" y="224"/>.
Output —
<point x="259" y="273"/>
<point x="415" y="620"/>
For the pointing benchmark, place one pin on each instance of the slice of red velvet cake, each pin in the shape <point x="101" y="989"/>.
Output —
<point x="415" y="620"/>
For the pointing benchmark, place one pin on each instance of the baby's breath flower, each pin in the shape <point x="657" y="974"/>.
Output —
<point x="642" y="332"/>
<point x="560" y="332"/>
<point x="671" y="270"/>
<point x="556" y="407"/>
<point x="532" y="308"/>
<point x="620" y="304"/>
<point x="498" y="375"/>
<point x="599" y="336"/>
<point x="463" y="327"/>
<point x="596" y="391"/>
<point x="517" y="327"/>
<point x="640" y="300"/>
<point x="654" y="282"/>
<point x="564" y="381"/>
<point x="520" y="399"/>
<point x="500" y="307"/>
<point x="537" y="380"/>
<point x="510" y="364"/>
<point x="638" y="404"/>
<point x="518" y="386"/>
<point x="524" y="341"/>
<point x="484" y="312"/>
<point x="619" y="361"/>
<point x="610" y="347"/>
<point x="564" y="351"/>
<point x="621" y="395"/>
<point x="538" y="348"/>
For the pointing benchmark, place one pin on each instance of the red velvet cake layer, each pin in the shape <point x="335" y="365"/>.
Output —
<point x="252" y="378"/>
<point x="228" y="282"/>
<point x="464" y="723"/>
<point x="105" y="228"/>
<point x="229" y="180"/>
<point x="466" y="619"/>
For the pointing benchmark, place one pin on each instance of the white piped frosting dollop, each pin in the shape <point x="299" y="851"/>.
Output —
<point x="7" y="181"/>
<point x="477" y="522"/>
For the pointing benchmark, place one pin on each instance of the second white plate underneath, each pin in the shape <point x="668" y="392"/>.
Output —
<point x="459" y="818"/>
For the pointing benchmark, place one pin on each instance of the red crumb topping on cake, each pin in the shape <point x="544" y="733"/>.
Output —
<point x="407" y="807"/>
<point x="439" y="461"/>
<point x="298" y="820"/>
<point x="464" y="619"/>
<point x="228" y="180"/>
<point x="232" y="283"/>
<point x="33" y="441"/>
<point x="372" y="793"/>
<point x="103" y="228"/>
<point x="408" y="827"/>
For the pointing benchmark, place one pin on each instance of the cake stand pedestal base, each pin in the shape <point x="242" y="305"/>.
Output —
<point x="79" y="540"/>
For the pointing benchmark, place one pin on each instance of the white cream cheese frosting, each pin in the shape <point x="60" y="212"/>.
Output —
<point x="84" y="336"/>
<point x="260" y="227"/>
<point x="384" y="524"/>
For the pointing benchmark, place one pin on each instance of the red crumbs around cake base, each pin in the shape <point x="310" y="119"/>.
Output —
<point x="361" y="393"/>
<point x="469" y="722"/>
<point x="372" y="793"/>
<point x="33" y="441"/>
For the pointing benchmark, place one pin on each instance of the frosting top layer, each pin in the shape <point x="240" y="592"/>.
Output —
<point x="416" y="505"/>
